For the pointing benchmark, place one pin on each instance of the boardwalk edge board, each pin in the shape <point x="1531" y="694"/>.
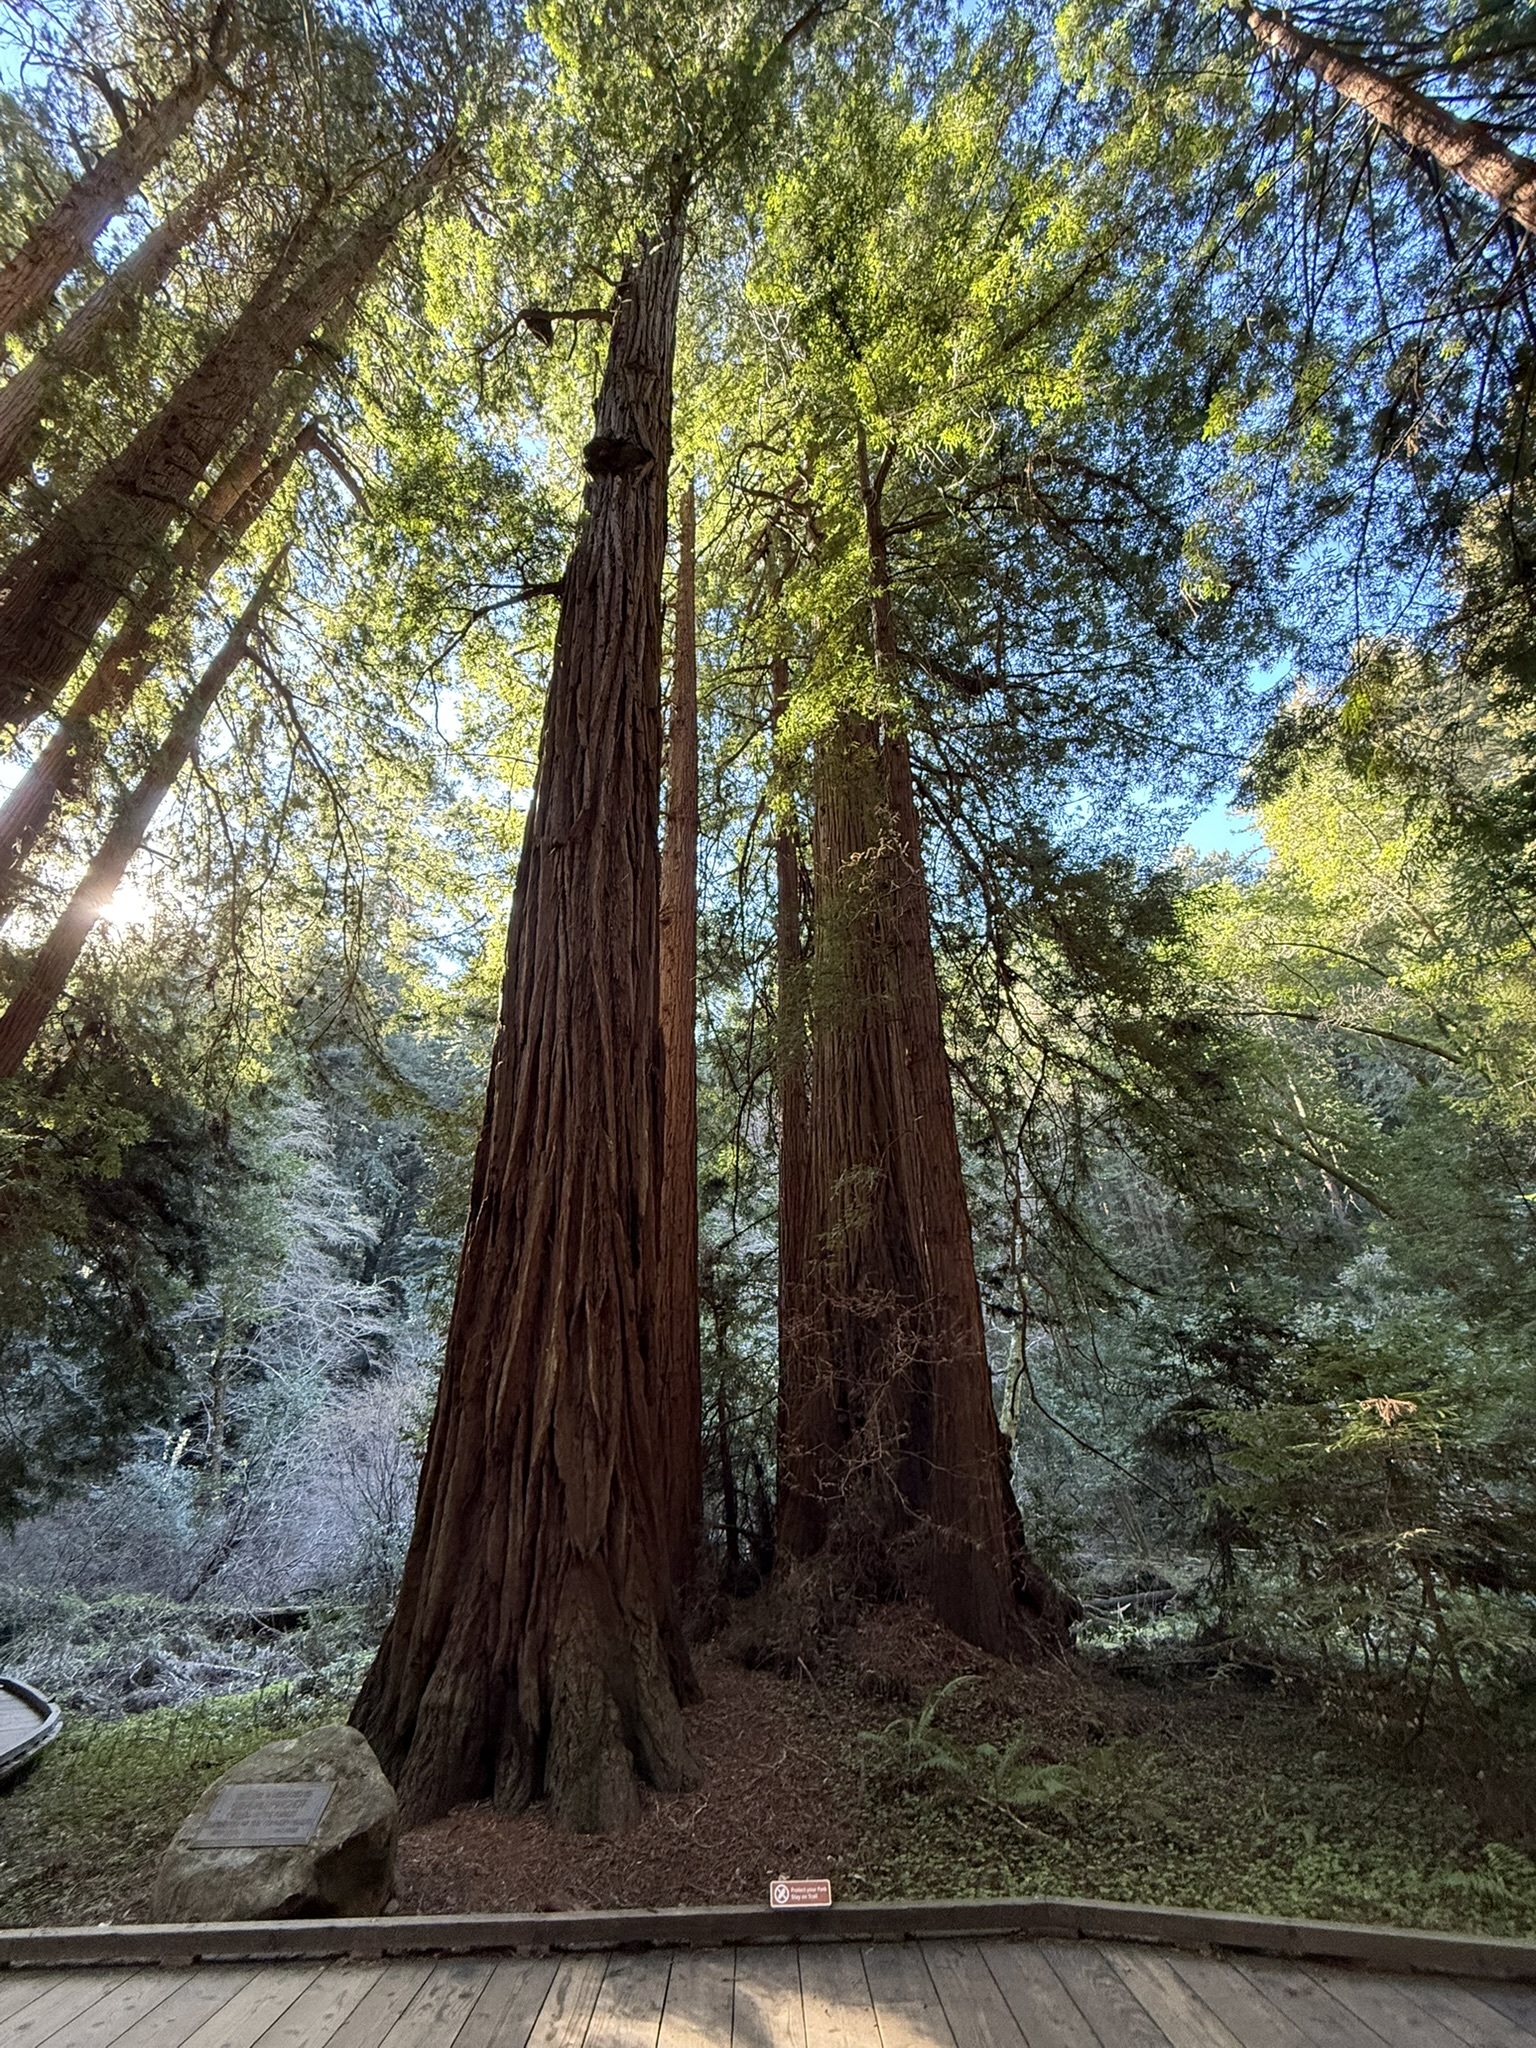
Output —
<point x="1382" y="1948"/>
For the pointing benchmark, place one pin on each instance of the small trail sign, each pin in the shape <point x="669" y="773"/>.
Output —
<point x="800" y="1891"/>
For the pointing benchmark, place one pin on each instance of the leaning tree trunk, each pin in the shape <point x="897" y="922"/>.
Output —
<point x="1462" y="149"/>
<point x="677" y="1330"/>
<point x="61" y="243"/>
<point x="80" y="344"/>
<point x="65" y="585"/>
<point x="32" y="1004"/>
<point x="915" y="1501"/>
<point x="535" y="1647"/>
<point x="64" y="767"/>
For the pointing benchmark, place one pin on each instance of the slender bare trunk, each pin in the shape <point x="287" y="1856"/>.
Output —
<point x="677" y="1348"/>
<point x="67" y="583"/>
<point x="45" y="981"/>
<point x="61" y="243"/>
<point x="806" y="1423"/>
<point x="80" y="344"/>
<point x="1463" y="149"/>
<point x="535" y="1647"/>
<point x="64" y="767"/>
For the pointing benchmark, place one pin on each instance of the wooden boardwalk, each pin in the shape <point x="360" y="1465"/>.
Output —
<point x="913" y="1994"/>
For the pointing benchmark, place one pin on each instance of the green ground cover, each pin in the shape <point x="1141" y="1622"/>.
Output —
<point x="1234" y="1802"/>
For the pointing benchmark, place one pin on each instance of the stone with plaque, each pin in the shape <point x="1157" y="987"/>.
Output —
<point x="303" y="1829"/>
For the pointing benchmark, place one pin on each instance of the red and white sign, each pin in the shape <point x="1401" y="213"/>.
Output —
<point x="800" y="1891"/>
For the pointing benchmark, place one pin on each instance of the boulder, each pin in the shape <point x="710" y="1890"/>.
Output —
<point x="346" y="1871"/>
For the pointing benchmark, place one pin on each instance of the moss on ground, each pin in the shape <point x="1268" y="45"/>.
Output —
<point x="1251" y="1805"/>
<point x="82" y="1831"/>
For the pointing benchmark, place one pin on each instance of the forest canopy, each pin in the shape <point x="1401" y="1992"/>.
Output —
<point x="769" y="770"/>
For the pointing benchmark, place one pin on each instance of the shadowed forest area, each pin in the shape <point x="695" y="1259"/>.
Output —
<point x="768" y="942"/>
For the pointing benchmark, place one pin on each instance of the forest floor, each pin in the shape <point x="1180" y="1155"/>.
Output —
<point x="900" y="1763"/>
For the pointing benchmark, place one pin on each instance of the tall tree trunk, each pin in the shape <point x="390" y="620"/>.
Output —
<point x="806" y="1422"/>
<point x="677" y="1334"/>
<point x="32" y="1004"/>
<point x="64" y="766"/>
<point x="61" y="243"/>
<point x="976" y="1523"/>
<point x="79" y="344"/>
<point x="65" y="585"/>
<point x="535" y="1647"/>
<point x="915" y="1493"/>
<point x="1463" y="149"/>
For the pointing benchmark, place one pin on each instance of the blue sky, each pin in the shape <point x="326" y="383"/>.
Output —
<point x="1221" y="829"/>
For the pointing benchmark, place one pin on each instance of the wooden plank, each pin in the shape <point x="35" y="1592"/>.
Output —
<point x="1036" y="1996"/>
<point x="700" y="1994"/>
<point x="628" y="2009"/>
<point x="1308" y="2006"/>
<point x="1119" y="2020"/>
<point x="976" y="2009"/>
<point x="1382" y="2006"/>
<point x="908" y="2009"/>
<point x="200" y="1996"/>
<point x="1513" y="2000"/>
<point x="1167" y="2000"/>
<point x="839" y="2012"/>
<point x="562" y="2020"/>
<point x="440" y="2008"/>
<point x="1241" y="2005"/>
<point x="68" y="1995"/>
<point x="768" y="2009"/>
<point x="367" y="2025"/>
<point x="111" y="2015"/>
<point x="1457" y="2007"/>
<point x="19" y="1988"/>
<point x="250" y="2012"/>
<point x="315" y="2014"/>
<point x="508" y="2006"/>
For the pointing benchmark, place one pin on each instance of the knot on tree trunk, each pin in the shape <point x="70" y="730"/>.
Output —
<point x="612" y="455"/>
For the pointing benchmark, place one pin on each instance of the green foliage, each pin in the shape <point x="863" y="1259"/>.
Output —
<point x="910" y="1755"/>
<point x="85" y="1827"/>
<point x="1250" y="1807"/>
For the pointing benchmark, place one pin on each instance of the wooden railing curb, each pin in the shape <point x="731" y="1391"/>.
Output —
<point x="1380" y="1948"/>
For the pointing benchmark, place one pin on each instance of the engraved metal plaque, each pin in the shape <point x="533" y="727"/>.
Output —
<point x="263" y="1817"/>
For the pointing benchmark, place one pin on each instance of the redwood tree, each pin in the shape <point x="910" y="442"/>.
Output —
<point x="898" y="1461"/>
<point x="61" y="242"/>
<point x="60" y="591"/>
<point x="535" y="1647"/>
<point x="1467" y="150"/>
<point x="47" y="976"/>
<point x="677" y="1335"/>
<point x="79" y="344"/>
<point x="63" y="767"/>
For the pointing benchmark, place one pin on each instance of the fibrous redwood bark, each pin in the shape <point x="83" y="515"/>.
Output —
<point x="1463" y="149"/>
<point x="915" y="1499"/>
<point x="61" y="243"/>
<point x="46" y="978"/>
<point x="63" y="767"/>
<point x="25" y="397"/>
<point x="86" y="561"/>
<point x="677" y="1334"/>
<point x="535" y="1646"/>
